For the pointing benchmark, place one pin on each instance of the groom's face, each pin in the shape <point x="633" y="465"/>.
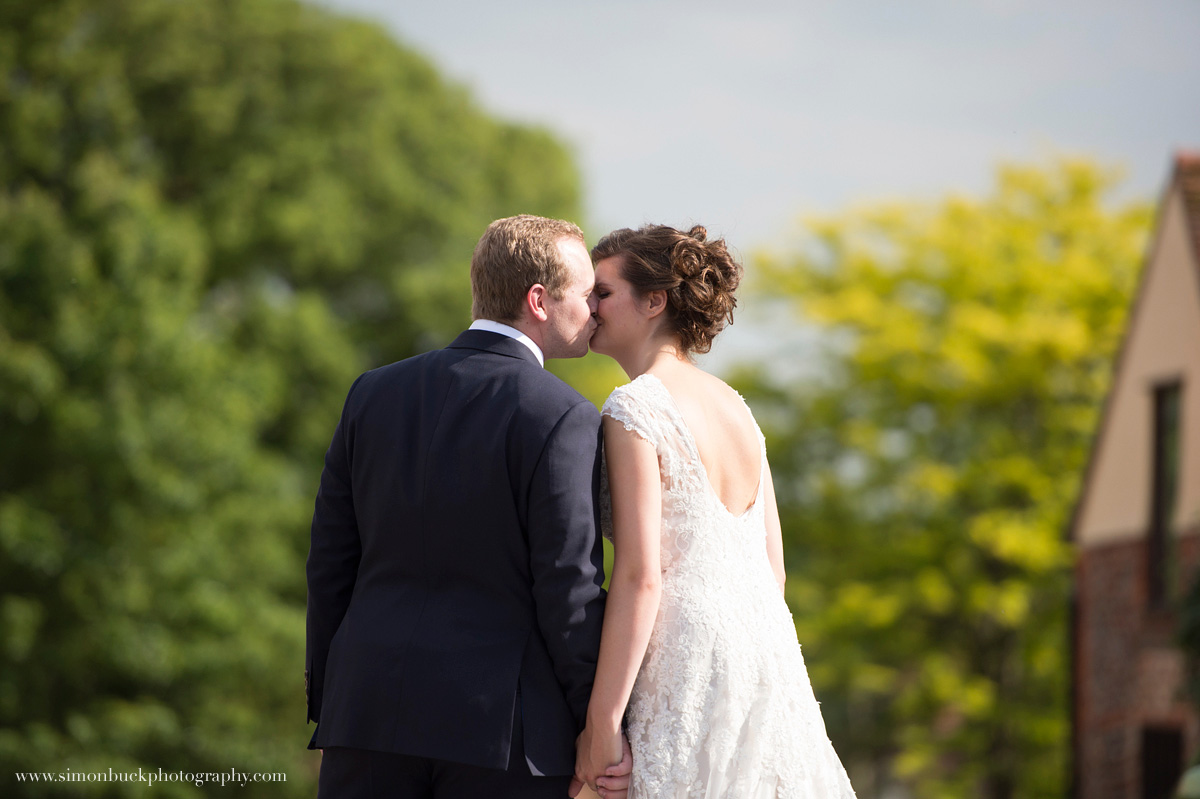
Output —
<point x="571" y="324"/>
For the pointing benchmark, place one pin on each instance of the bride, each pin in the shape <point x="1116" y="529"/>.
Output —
<point x="699" y="654"/>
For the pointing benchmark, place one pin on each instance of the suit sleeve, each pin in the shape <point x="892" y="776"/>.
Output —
<point x="333" y="559"/>
<point x="566" y="555"/>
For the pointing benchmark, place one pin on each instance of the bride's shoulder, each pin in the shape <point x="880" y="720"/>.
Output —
<point x="637" y="406"/>
<point x="633" y="392"/>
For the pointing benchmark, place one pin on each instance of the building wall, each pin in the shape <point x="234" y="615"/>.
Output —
<point x="1129" y="674"/>
<point x="1163" y="343"/>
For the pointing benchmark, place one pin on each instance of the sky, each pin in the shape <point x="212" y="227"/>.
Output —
<point x="747" y="116"/>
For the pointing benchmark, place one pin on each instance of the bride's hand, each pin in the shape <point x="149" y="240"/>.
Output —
<point x="595" y="752"/>
<point x="614" y="784"/>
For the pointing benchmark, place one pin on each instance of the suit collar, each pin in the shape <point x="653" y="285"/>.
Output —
<point x="511" y="332"/>
<point x="487" y="341"/>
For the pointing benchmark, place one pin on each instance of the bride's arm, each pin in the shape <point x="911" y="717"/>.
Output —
<point x="633" y="594"/>
<point x="774" y="530"/>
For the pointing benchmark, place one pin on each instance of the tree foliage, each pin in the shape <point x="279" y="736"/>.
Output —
<point x="213" y="214"/>
<point x="927" y="476"/>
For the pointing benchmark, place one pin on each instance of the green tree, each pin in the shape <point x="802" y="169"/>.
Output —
<point x="213" y="214"/>
<point x="926" y="475"/>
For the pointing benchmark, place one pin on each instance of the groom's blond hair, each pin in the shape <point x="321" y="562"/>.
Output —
<point x="512" y="256"/>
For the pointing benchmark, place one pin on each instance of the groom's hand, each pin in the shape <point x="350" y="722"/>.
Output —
<point x="615" y="782"/>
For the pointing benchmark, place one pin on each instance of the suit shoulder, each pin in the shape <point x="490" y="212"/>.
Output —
<point x="396" y="369"/>
<point x="381" y="382"/>
<point x="550" y="393"/>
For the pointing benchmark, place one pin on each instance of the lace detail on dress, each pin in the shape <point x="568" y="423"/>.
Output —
<point x="722" y="705"/>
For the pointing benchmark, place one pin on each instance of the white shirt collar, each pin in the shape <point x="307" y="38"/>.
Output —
<point x="511" y="332"/>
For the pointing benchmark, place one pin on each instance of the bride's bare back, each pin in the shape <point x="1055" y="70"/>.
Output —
<point x="724" y="432"/>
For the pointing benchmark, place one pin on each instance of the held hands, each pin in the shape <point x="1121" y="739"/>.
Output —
<point x="594" y="756"/>
<point x="615" y="782"/>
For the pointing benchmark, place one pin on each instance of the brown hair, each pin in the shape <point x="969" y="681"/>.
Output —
<point x="699" y="277"/>
<point x="512" y="255"/>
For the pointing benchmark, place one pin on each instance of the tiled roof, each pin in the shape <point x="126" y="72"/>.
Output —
<point x="1187" y="172"/>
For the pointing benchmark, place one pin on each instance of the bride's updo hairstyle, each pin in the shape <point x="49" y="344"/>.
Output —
<point x="699" y="277"/>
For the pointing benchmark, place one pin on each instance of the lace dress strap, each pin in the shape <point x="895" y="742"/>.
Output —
<point x="762" y="440"/>
<point x="645" y="409"/>
<point x="762" y="443"/>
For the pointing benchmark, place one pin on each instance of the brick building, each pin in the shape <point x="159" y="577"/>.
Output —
<point x="1137" y="528"/>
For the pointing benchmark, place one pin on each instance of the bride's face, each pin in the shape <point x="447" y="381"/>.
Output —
<point x="620" y="317"/>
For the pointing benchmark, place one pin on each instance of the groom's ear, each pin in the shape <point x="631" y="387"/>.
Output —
<point x="535" y="302"/>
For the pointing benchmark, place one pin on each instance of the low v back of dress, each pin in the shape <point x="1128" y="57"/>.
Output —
<point x="722" y="705"/>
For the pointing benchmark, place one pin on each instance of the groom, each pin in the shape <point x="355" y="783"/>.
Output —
<point x="454" y="599"/>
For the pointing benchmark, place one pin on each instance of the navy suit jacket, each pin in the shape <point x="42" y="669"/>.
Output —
<point x="455" y="569"/>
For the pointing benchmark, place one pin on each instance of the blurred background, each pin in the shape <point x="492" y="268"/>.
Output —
<point x="215" y="214"/>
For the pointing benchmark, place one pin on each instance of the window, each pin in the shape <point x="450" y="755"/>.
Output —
<point x="1164" y="487"/>
<point x="1162" y="761"/>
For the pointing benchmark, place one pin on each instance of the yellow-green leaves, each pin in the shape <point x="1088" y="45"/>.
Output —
<point x="925" y="478"/>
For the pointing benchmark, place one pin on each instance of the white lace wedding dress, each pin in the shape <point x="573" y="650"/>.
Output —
<point x="722" y="706"/>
